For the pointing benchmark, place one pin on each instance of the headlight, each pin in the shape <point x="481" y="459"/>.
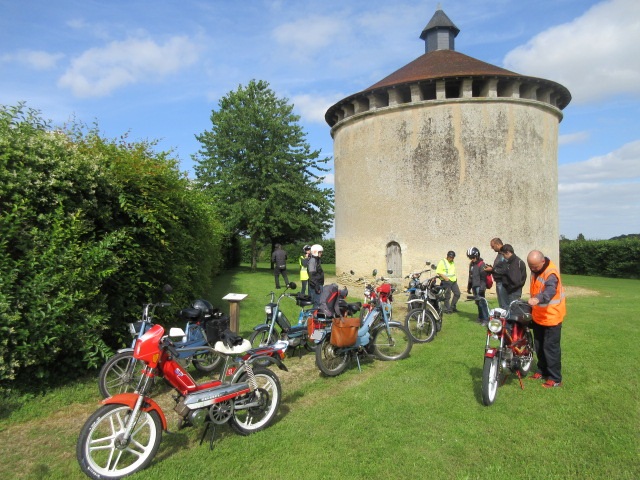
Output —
<point x="267" y="309"/>
<point x="495" y="325"/>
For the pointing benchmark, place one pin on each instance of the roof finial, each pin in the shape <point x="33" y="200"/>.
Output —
<point x="439" y="7"/>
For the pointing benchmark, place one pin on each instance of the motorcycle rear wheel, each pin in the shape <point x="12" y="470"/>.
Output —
<point x="490" y="380"/>
<point x="421" y="325"/>
<point x="206" y="362"/>
<point x="331" y="360"/>
<point x="120" y="374"/>
<point x="526" y="359"/>
<point x="393" y="346"/>
<point x="269" y="393"/>
<point x="98" y="452"/>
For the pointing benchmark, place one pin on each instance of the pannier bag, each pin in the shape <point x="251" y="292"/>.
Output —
<point x="344" y="331"/>
<point x="214" y="328"/>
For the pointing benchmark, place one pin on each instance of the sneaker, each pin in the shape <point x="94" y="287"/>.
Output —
<point x="551" y="384"/>
<point x="446" y="311"/>
<point x="537" y="376"/>
<point x="453" y="310"/>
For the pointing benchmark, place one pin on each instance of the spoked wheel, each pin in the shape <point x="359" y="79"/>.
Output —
<point x="490" y="379"/>
<point x="264" y="403"/>
<point x="120" y="374"/>
<point x="331" y="360"/>
<point x="206" y="362"/>
<point x="103" y="453"/>
<point x="526" y="359"/>
<point x="394" y="344"/>
<point x="421" y="325"/>
<point x="260" y="338"/>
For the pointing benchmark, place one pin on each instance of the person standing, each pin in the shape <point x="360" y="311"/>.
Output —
<point x="316" y="274"/>
<point x="446" y="270"/>
<point x="304" y="263"/>
<point x="498" y="270"/>
<point x="478" y="283"/>
<point x="548" y="309"/>
<point x="515" y="277"/>
<point x="279" y="260"/>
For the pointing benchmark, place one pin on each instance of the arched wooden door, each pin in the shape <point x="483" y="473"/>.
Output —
<point x="394" y="258"/>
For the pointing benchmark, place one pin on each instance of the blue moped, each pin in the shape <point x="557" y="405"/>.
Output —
<point x="278" y="327"/>
<point x="377" y="334"/>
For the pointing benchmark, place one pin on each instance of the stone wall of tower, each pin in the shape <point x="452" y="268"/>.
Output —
<point x="442" y="175"/>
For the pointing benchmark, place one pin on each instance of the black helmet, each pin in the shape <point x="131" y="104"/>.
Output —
<point x="205" y="307"/>
<point x="306" y="248"/>
<point x="473" y="252"/>
<point x="451" y="254"/>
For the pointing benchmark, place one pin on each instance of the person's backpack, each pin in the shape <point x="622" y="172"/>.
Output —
<point x="488" y="279"/>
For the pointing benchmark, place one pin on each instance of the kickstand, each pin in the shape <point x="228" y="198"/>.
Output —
<point x="358" y="361"/>
<point x="212" y="434"/>
<point x="520" y="379"/>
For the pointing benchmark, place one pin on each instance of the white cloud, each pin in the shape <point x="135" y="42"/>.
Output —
<point x="329" y="179"/>
<point x="313" y="107"/>
<point x="570" y="138"/>
<point x="304" y="38"/>
<point x="36" y="59"/>
<point x="99" y="71"/>
<point x="622" y="164"/>
<point x="594" y="56"/>
<point x="600" y="197"/>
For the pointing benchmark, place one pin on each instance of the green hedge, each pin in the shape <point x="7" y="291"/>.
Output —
<point x="90" y="229"/>
<point x="602" y="258"/>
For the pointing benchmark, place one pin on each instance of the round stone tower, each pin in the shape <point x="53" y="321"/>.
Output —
<point x="444" y="154"/>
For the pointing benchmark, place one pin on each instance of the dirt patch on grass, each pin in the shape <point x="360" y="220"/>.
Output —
<point x="580" y="292"/>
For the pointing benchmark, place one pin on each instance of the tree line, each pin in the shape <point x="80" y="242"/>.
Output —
<point x="618" y="258"/>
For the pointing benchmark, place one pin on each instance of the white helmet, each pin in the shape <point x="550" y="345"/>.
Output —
<point x="316" y="248"/>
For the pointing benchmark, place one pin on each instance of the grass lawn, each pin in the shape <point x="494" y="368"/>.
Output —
<point x="417" y="418"/>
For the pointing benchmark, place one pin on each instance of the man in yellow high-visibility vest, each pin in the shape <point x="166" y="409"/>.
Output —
<point x="447" y="272"/>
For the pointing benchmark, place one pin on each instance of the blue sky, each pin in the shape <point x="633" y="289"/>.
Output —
<point x="156" y="69"/>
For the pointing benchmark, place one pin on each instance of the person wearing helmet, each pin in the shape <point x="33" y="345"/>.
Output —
<point x="478" y="283"/>
<point x="316" y="274"/>
<point x="303" y="261"/>
<point x="279" y="260"/>
<point x="447" y="272"/>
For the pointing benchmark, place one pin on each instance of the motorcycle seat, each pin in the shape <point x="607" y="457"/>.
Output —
<point x="245" y="346"/>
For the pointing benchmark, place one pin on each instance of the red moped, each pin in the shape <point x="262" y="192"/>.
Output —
<point x="124" y="434"/>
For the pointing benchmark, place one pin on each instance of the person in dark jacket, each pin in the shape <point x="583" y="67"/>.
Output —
<point x="516" y="275"/>
<point x="498" y="270"/>
<point x="279" y="260"/>
<point x="478" y="283"/>
<point x="316" y="274"/>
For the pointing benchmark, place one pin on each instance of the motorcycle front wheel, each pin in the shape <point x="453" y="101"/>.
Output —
<point x="421" y="325"/>
<point x="490" y="379"/>
<point x="102" y="452"/>
<point x="120" y="374"/>
<point x="246" y="421"/>
<point x="260" y="338"/>
<point x="392" y="345"/>
<point x="331" y="360"/>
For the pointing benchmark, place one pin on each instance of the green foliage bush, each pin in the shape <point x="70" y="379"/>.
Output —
<point x="602" y="258"/>
<point x="90" y="229"/>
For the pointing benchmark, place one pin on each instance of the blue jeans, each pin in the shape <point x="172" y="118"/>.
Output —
<point x="501" y="293"/>
<point x="483" y="311"/>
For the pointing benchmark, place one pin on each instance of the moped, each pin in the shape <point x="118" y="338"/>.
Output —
<point x="377" y="334"/>
<point x="424" y="316"/>
<point x="296" y="335"/>
<point x="203" y="328"/>
<point x="509" y="346"/>
<point x="123" y="435"/>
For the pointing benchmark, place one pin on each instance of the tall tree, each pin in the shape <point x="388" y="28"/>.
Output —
<point x="256" y="164"/>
